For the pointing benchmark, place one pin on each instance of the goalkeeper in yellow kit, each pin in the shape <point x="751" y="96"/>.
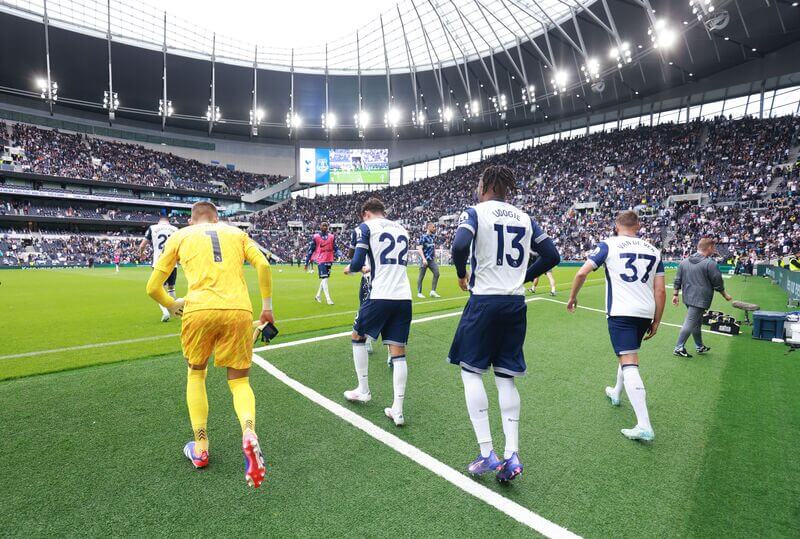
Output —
<point x="217" y="319"/>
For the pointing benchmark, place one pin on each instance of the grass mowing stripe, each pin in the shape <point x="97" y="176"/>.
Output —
<point x="662" y="323"/>
<point x="514" y="510"/>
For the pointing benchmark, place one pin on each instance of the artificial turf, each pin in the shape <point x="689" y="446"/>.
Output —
<point x="96" y="450"/>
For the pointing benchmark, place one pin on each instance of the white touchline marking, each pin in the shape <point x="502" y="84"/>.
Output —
<point x="88" y="346"/>
<point x="514" y="510"/>
<point x="662" y="323"/>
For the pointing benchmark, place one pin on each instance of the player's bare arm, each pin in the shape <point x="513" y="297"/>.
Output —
<point x="422" y="255"/>
<point x="660" y="293"/>
<point x="143" y="246"/>
<point x="577" y="284"/>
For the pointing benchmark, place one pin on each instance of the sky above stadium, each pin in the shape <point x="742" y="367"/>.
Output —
<point x="285" y="23"/>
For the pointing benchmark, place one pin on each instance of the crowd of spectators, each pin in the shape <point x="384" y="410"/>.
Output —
<point x="51" y="152"/>
<point x="725" y="160"/>
<point x="739" y="170"/>
<point x="67" y="250"/>
<point x="9" y="207"/>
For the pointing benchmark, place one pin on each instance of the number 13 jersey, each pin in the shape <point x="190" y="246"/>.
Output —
<point x="386" y="243"/>
<point x="501" y="247"/>
<point x="631" y="265"/>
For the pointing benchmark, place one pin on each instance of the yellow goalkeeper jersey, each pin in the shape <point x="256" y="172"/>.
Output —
<point x="212" y="256"/>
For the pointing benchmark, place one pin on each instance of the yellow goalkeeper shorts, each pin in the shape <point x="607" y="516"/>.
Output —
<point x="228" y="334"/>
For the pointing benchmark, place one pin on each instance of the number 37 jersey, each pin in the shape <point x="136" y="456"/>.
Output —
<point x="631" y="265"/>
<point x="386" y="243"/>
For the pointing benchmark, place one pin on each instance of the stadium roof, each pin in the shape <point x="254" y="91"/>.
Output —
<point x="421" y="33"/>
<point x="460" y="66"/>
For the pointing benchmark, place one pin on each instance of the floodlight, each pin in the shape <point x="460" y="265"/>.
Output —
<point x="661" y="35"/>
<point x="591" y="69"/>
<point x="559" y="80"/>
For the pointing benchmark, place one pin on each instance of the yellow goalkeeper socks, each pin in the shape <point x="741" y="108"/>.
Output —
<point x="197" y="402"/>
<point x="244" y="402"/>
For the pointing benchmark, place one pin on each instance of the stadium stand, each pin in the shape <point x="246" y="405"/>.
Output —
<point x="50" y="152"/>
<point x="740" y="171"/>
<point x="723" y="160"/>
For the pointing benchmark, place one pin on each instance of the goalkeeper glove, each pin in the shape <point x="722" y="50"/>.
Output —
<point x="176" y="309"/>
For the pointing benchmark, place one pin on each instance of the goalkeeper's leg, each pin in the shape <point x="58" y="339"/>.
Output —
<point x="244" y="402"/>
<point x="197" y="402"/>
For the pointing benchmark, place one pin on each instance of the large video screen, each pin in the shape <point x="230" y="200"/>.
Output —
<point x="337" y="165"/>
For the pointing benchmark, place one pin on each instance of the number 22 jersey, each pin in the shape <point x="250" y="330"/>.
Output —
<point x="386" y="243"/>
<point x="631" y="265"/>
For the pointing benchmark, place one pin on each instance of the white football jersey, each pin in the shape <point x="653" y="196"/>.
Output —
<point x="631" y="265"/>
<point x="387" y="245"/>
<point x="501" y="247"/>
<point x="158" y="234"/>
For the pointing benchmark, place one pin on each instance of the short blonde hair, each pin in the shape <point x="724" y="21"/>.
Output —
<point x="627" y="218"/>
<point x="706" y="243"/>
<point x="204" y="208"/>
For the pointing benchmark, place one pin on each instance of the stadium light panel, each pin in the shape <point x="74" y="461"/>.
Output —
<point x="361" y="119"/>
<point x="110" y="102"/>
<point x="446" y="114"/>
<point x="293" y="120"/>
<point x="214" y="115"/>
<point x="591" y="69"/>
<point x="662" y="35"/>
<point x="259" y="115"/>
<point x="622" y="54"/>
<point x="165" y="110"/>
<point x="328" y="120"/>
<point x="559" y="80"/>
<point x="392" y="117"/>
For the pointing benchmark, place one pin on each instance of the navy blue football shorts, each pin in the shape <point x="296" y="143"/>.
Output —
<point x="389" y="318"/>
<point x="627" y="333"/>
<point x="324" y="270"/>
<point x="491" y="333"/>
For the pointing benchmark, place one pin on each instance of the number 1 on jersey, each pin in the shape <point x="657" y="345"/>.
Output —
<point x="215" y="247"/>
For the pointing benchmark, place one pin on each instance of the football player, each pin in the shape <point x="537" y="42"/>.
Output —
<point x="427" y="260"/>
<point x="491" y="333"/>
<point x="157" y="235"/>
<point x="217" y="319"/>
<point x="387" y="310"/>
<point x="322" y="249"/>
<point x="635" y="298"/>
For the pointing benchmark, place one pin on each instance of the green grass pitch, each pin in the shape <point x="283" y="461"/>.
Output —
<point x="91" y="432"/>
<point x="360" y="176"/>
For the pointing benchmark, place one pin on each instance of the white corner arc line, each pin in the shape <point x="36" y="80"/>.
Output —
<point x="662" y="323"/>
<point x="512" y="509"/>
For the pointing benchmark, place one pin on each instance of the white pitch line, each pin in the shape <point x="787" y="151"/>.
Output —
<point x="604" y="312"/>
<point x="88" y="346"/>
<point x="514" y="510"/>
